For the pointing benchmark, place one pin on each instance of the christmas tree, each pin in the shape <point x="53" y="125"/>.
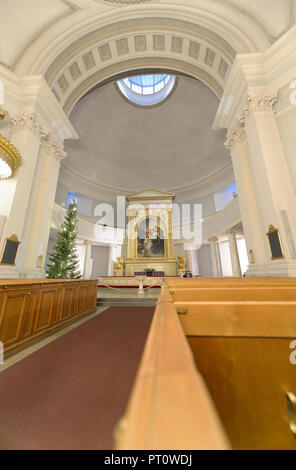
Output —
<point x="63" y="260"/>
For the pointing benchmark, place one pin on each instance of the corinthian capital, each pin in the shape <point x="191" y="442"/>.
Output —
<point x="50" y="146"/>
<point x="28" y="121"/>
<point x="236" y="136"/>
<point x="262" y="103"/>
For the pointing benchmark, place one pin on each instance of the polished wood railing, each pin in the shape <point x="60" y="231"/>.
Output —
<point x="170" y="406"/>
<point x="31" y="309"/>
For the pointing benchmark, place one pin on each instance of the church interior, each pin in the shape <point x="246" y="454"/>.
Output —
<point x="148" y="225"/>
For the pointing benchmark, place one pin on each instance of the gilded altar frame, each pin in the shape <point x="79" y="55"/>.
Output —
<point x="142" y="206"/>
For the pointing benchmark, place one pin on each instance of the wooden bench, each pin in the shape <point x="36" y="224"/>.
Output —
<point x="240" y="332"/>
<point x="170" y="407"/>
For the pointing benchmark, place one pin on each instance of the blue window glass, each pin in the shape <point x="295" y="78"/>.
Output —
<point x="148" y="89"/>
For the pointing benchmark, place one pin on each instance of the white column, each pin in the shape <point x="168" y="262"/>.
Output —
<point x="15" y="192"/>
<point x="189" y="264"/>
<point x="275" y="194"/>
<point x="192" y="260"/>
<point x="214" y="255"/>
<point x="254" y="235"/>
<point x="37" y="226"/>
<point x="235" y="262"/>
<point x="87" y="260"/>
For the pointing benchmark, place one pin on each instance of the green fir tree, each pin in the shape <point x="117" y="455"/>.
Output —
<point x="63" y="260"/>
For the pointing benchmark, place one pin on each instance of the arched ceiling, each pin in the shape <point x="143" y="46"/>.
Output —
<point x="78" y="43"/>
<point x="126" y="148"/>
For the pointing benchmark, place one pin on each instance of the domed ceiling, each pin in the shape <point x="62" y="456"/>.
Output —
<point x="170" y="146"/>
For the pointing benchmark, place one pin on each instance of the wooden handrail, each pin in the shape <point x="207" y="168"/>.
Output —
<point x="170" y="407"/>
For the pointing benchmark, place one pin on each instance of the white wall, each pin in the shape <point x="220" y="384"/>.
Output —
<point x="243" y="254"/>
<point x="205" y="261"/>
<point x="225" y="258"/>
<point x="100" y="256"/>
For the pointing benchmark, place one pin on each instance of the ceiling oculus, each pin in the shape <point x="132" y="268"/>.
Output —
<point x="147" y="90"/>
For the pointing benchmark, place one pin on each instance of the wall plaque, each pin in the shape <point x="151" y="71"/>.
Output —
<point x="275" y="243"/>
<point x="10" y="250"/>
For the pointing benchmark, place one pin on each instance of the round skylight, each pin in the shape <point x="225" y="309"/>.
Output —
<point x="148" y="89"/>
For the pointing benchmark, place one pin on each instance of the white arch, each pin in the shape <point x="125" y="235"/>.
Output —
<point x="242" y="35"/>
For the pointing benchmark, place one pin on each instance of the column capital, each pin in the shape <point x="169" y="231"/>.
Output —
<point x="28" y="121"/>
<point x="236" y="136"/>
<point x="213" y="239"/>
<point x="49" y="145"/>
<point x="262" y="102"/>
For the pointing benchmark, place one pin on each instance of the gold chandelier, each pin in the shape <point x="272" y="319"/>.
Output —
<point x="10" y="158"/>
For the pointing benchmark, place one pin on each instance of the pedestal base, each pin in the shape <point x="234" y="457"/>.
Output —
<point x="280" y="268"/>
<point x="169" y="267"/>
<point x="8" y="272"/>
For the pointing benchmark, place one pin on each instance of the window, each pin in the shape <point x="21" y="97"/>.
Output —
<point x="147" y="90"/>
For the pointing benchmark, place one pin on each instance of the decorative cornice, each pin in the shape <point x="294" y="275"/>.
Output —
<point x="50" y="146"/>
<point x="28" y="121"/>
<point x="256" y="104"/>
<point x="262" y="103"/>
<point x="237" y="136"/>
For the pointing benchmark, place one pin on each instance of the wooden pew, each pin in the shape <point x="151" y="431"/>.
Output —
<point x="240" y="333"/>
<point x="170" y="407"/>
<point x="30" y="309"/>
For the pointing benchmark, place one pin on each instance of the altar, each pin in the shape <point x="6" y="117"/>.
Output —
<point x="150" y="243"/>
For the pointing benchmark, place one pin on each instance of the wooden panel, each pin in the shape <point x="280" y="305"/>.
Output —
<point x="82" y="301"/>
<point x="45" y="309"/>
<point x="33" y="307"/>
<point x="27" y="324"/>
<point x="11" y="316"/>
<point x="248" y="379"/>
<point x="58" y="305"/>
<point x="67" y="304"/>
<point x="272" y="319"/>
<point x="237" y="293"/>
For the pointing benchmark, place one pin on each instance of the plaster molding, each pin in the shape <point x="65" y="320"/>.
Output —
<point x="76" y="30"/>
<point x="262" y="102"/>
<point x="237" y="136"/>
<point x="30" y="122"/>
<point x="50" y="146"/>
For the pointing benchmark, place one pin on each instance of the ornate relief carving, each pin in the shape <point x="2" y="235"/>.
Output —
<point x="28" y="121"/>
<point x="256" y="104"/>
<point x="50" y="146"/>
<point x="262" y="103"/>
<point x="237" y="136"/>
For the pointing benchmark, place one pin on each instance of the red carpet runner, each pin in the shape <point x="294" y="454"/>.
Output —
<point x="71" y="393"/>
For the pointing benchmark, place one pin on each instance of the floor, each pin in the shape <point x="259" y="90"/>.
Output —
<point x="70" y="391"/>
